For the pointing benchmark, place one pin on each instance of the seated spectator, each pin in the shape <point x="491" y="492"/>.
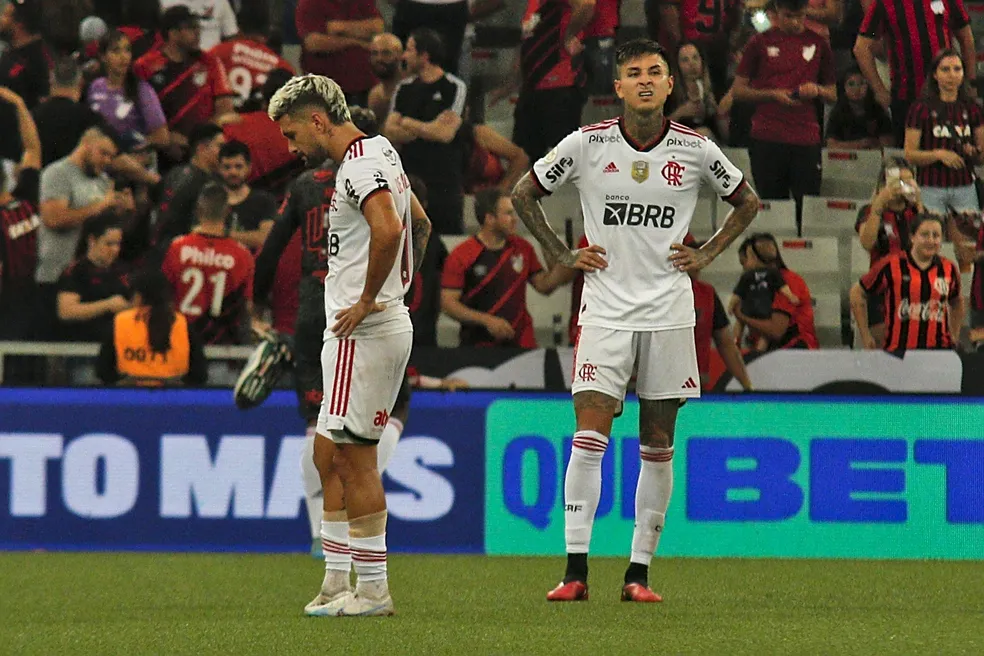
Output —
<point x="151" y="344"/>
<point x="424" y="296"/>
<point x="273" y="165"/>
<point x="127" y="104"/>
<point x="93" y="289"/>
<point x="484" y="278"/>
<point x="755" y="292"/>
<point x="73" y="190"/>
<point x="923" y="308"/>
<point x="247" y="58"/>
<point x="192" y="85"/>
<point x="18" y="229"/>
<point x="251" y="211"/>
<point x="789" y="326"/>
<point x="175" y="214"/>
<point x="692" y="101"/>
<point x="857" y="121"/>
<point x="944" y="137"/>
<point x="883" y="224"/>
<point x="218" y="20"/>
<point x="491" y="160"/>
<point x="712" y="323"/>
<point x="212" y="274"/>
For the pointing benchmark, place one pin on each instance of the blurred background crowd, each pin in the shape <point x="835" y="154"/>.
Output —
<point x="135" y="140"/>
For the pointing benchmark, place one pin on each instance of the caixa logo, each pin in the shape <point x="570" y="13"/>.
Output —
<point x="101" y="476"/>
<point x="636" y="214"/>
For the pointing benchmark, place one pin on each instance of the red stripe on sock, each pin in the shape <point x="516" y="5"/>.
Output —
<point x="590" y="441"/>
<point x="338" y="546"/>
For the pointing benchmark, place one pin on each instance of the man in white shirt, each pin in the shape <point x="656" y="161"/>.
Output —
<point x="638" y="177"/>
<point x="377" y="231"/>
<point x="216" y="18"/>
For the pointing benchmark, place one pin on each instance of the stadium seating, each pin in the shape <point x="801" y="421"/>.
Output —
<point x="850" y="173"/>
<point x="775" y="216"/>
<point x="829" y="217"/>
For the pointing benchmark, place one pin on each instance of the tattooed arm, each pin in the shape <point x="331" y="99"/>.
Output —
<point x="420" y="231"/>
<point x="746" y="207"/>
<point x="526" y="197"/>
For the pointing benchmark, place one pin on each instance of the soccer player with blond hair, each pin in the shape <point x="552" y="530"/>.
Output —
<point x="377" y="233"/>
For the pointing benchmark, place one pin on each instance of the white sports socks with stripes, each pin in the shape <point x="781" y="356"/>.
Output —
<point x="582" y="489"/>
<point x="652" y="499"/>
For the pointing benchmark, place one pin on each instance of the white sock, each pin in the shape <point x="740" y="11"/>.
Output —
<point x="313" y="496"/>
<point x="582" y="489"/>
<point x="652" y="500"/>
<point x="369" y="558"/>
<point x="335" y="542"/>
<point x="387" y="443"/>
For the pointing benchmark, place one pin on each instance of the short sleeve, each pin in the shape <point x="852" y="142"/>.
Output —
<point x="535" y="265"/>
<point x="774" y="279"/>
<point x="876" y="279"/>
<point x="219" y="78"/>
<point x="453" y="272"/>
<point x="150" y="108"/>
<point x="560" y="165"/>
<point x="68" y="282"/>
<point x="460" y="95"/>
<point x="959" y="18"/>
<point x="916" y="118"/>
<point x="720" y="320"/>
<point x="400" y="98"/>
<point x="749" y="64"/>
<point x="361" y="179"/>
<point x="723" y="176"/>
<point x="743" y="284"/>
<point x="55" y="184"/>
<point x="873" y="23"/>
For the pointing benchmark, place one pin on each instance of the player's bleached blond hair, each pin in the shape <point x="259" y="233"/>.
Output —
<point x="306" y="90"/>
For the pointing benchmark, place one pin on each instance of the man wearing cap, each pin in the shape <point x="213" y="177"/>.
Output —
<point x="192" y="85"/>
<point x="218" y="20"/>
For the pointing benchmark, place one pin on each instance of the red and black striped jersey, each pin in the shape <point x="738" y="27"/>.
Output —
<point x="544" y="61"/>
<point x="707" y="20"/>
<point x="494" y="282"/>
<point x="917" y="301"/>
<point x="187" y="89"/>
<point x="893" y="231"/>
<point x="916" y="31"/>
<point x="946" y="126"/>
<point x="19" y="221"/>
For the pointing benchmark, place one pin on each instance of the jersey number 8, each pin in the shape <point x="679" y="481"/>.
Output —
<point x="195" y="279"/>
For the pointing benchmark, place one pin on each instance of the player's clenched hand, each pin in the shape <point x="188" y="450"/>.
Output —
<point x="500" y="329"/>
<point x="586" y="259"/>
<point x="686" y="258"/>
<point x="350" y="318"/>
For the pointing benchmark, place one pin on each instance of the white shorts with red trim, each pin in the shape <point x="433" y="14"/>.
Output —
<point x="665" y="360"/>
<point x="362" y="377"/>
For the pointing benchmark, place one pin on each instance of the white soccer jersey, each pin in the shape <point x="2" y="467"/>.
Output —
<point x="370" y="165"/>
<point x="637" y="200"/>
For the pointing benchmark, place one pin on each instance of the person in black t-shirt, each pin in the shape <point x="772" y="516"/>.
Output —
<point x="93" y="289"/>
<point x="857" y="121"/>
<point x="424" y="122"/>
<point x="25" y="65"/>
<point x="251" y="211"/>
<point x="756" y="290"/>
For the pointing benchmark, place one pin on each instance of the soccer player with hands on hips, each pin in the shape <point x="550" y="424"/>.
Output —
<point x="638" y="177"/>
<point x="377" y="233"/>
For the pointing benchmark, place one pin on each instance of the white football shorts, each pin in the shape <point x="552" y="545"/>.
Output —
<point x="665" y="360"/>
<point x="362" y="377"/>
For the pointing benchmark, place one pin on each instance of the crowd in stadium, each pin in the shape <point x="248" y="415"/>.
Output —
<point x="140" y="165"/>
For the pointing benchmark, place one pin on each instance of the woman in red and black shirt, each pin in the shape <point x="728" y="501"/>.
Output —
<point x="923" y="306"/>
<point x="944" y="137"/>
<point x="883" y="224"/>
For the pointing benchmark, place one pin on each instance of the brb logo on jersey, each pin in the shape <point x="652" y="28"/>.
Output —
<point x="673" y="173"/>
<point x="636" y="214"/>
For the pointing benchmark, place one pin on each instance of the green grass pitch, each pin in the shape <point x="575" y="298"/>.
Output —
<point x="107" y="603"/>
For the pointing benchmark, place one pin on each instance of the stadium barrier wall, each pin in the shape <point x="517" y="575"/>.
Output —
<point x="482" y="472"/>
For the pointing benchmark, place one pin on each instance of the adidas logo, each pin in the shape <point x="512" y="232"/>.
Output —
<point x="611" y="168"/>
<point x="690" y="384"/>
